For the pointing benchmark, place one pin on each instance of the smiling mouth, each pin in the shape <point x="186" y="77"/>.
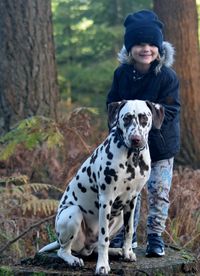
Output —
<point x="145" y="55"/>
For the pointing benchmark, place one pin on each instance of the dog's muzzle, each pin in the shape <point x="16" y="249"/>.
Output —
<point x="136" y="141"/>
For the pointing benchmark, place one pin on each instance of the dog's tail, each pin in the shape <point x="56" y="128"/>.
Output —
<point x="50" y="247"/>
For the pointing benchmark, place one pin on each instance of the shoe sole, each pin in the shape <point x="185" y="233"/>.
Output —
<point x="153" y="254"/>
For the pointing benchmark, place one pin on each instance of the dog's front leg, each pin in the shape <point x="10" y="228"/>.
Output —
<point x="128" y="253"/>
<point x="105" y="204"/>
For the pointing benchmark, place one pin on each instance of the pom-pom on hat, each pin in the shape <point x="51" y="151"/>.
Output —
<point x="143" y="27"/>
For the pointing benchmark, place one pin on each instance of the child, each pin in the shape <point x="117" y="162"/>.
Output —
<point x="145" y="74"/>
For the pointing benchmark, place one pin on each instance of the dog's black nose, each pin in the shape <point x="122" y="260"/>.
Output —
<point x="135" y="140"/>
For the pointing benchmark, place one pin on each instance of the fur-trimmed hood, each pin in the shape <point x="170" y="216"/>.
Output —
<point x="166" y="59"/>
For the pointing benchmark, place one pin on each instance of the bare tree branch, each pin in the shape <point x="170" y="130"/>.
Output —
<point x="8" y="244"/>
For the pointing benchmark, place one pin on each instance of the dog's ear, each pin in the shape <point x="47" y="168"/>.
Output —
<point x="158" y="114"/>
<point x="113" y="110"/>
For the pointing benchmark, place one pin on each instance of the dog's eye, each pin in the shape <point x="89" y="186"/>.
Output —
<point x="143" y="119"/>
<point x="127" y="119"/>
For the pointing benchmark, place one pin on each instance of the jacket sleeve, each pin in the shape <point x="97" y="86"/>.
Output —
<point x="113" y="94"/>
<point x="169" y="96"/>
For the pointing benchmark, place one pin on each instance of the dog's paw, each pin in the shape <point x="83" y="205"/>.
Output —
<point x="102" y="270"/>
<point x="129" y="255"/>
<point x="70" y="259"/>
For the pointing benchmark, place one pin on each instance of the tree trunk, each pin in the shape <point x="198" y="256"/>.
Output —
<point x="28" y="79"/>
<point x="181" y="29"/>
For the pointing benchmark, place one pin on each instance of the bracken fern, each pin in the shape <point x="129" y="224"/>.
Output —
<point x="31" y="132"/>
<point x="21" y="196"/>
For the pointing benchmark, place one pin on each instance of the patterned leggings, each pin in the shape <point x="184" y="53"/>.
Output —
<point x="158" y="187"/>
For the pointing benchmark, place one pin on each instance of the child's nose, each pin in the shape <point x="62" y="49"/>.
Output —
<point x="146" y="47"/>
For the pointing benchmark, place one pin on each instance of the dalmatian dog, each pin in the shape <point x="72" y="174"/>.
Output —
<point x="100" y="199"/>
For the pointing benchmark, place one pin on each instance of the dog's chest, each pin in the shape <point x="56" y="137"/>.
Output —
<point x="110" y="171"/>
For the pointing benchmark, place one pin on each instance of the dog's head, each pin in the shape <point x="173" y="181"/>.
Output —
<point x="134" y="119"/>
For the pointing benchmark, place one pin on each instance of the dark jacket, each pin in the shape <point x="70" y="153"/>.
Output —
<point x="159" y="85"/>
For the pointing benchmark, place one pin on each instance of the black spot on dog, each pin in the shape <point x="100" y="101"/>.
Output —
<point x="126" y="218"/>
<point x="104" y="206"/>
<point x="108" y="179"/>
<point x="143" y="119"/>
<point x="132" y="203"/>
<point x="127" y="229"/>
<point x="71" y="238"/>
<point x="75" y="198"/>
<point x="103" y="231"/>
<point x="83" y="169"/>
<point x="109" y="174"/>
<point x="106" y="142"/>
<point x="89" y="171"/>
<point x="131" y="170"/>
<point x="70" y="217"/>
<point x="115" y="140"/>
<point x="77" y="177"/>
<point x="68" y="189"/>
<point x="110" y="202"/>
<point x="114" y="213"/>
<point x="118" y="204"/>
<point x="94" y="157"/>
<point x="108" y="152"/>
<point x="121" y="166"/>
<point x="115" y="188"/>
<point x="135" y="159"/>
<point x="83" y="189"/>
<point x="143" y="166"/>
<point x="119" y="145"/>
<point x="108" y="163"/>
<point x="94" y="177"/>
<point x="94" y="189"/>
<point x="118" y="138"/>
<point x="103" y="187"/>
<point x="91" y="212"/>
<point x="64" y="199"/>
<point x="82" y="209"/>
<point x="129" y="153"/>
<point x="96" y="203"/>
<point x="128" y="188"/>
<point x="106" y="239"/>
<point x="108" y="216"/>
<point x="100" y="168"/>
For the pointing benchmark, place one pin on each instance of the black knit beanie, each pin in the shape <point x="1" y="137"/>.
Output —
<point x="143" y="27"/>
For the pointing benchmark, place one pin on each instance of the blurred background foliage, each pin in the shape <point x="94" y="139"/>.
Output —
<point x="88" y="35"/>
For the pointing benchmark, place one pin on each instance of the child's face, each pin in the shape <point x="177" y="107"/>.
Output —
<point x="144" y="54"/>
